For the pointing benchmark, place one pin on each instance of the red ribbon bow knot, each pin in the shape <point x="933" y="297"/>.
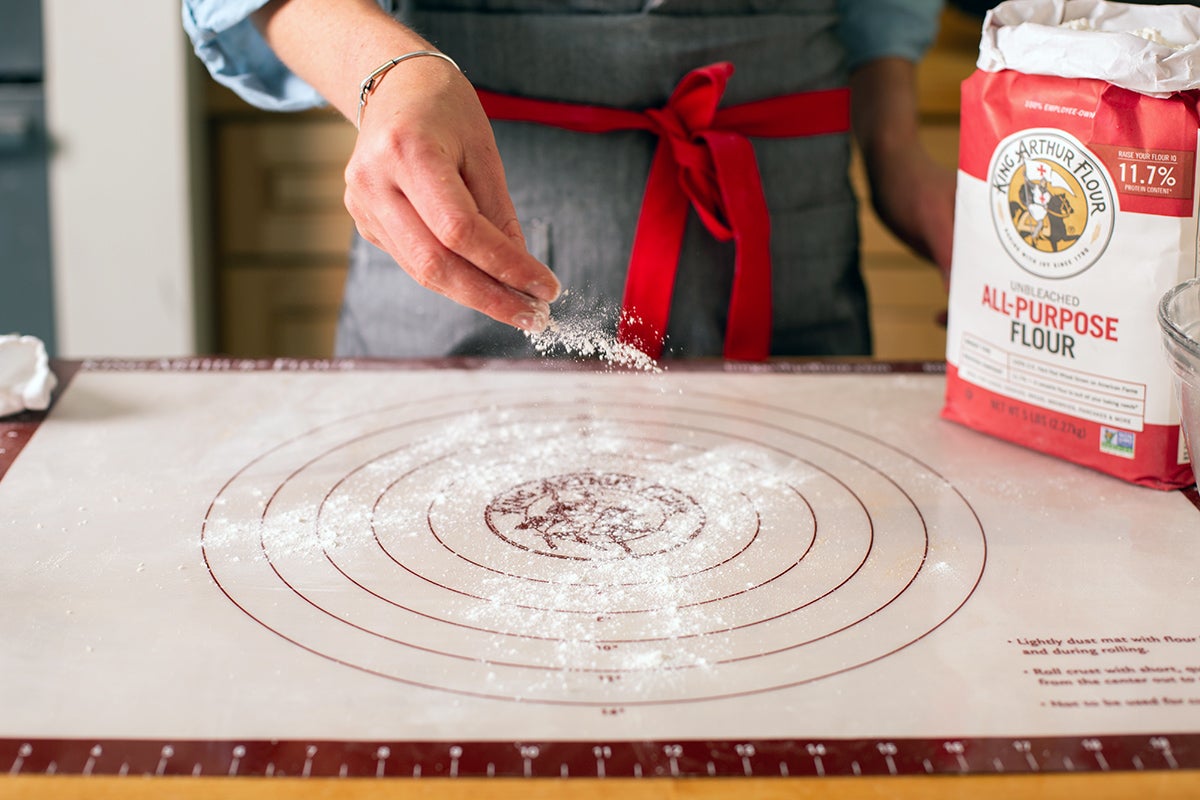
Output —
<point x="683" y="125"/>
<point x="704" y="160"/>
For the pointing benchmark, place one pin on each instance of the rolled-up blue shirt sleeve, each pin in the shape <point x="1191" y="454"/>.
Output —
<point x="874" y="29"/>
<point x="237" y="56"/>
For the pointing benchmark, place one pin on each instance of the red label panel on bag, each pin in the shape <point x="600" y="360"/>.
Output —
<point x="1145" y="456"/>
<point x="1159" y="173"/>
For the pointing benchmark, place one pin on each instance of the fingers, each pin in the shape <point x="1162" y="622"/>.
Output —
<point x="480" y="226"/>
<point x="393" y="225"/>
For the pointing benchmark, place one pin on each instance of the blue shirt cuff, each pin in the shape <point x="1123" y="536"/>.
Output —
<point x="237" y="56"/>
<point x="881" y="28"/>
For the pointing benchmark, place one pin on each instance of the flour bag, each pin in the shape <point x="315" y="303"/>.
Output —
<point x="1075" y="212"/>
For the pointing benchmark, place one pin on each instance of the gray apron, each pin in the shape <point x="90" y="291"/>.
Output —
<point x="578" y="194"/>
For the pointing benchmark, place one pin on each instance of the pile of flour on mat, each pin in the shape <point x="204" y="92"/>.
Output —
<point x="662" y="619"/>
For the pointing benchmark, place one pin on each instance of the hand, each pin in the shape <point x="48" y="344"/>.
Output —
<point x="914" y="196"/>
<point x="426" y="185"/>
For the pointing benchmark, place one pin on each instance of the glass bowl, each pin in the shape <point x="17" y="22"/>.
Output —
<point x="1179" y="318"/>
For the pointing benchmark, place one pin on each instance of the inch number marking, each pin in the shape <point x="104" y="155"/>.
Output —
<point x="959" y="751"/>
<point x="673" y="752"/>
<point x="817" y="751"/>
<point x="602" y="752"/>
<point x="1096" y="748"/>
<point x="888" y="750"/>
<point x="528" y="753"/>
<point x="93" y="754"/>
<point x="309" y="753"/>
<point x="1163" y="745"/>
<point x="23" y="752"/>
<point x="1024" y="746"/>
<point x="239" y="752"/>
<point x="746" y="752"/>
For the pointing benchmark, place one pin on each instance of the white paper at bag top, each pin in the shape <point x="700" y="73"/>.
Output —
<point x="1154" y="50"/>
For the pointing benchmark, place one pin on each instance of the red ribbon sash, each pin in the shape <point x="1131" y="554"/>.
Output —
<point x="704" y="160"/>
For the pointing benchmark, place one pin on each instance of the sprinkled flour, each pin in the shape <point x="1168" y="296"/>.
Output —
<point x="579" y="545"/>
<point x="589" y="336"/>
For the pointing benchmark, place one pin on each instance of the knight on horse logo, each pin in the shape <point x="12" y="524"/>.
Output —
<point x="1041" y="210"/>
<point x="1054" y="207"/>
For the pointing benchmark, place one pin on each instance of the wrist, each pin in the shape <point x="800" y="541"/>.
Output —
<point x="371" y="81"/>
<point x="356" y="37"/>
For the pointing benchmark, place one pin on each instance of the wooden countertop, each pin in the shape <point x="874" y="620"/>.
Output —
<point x="1145" y="786"/>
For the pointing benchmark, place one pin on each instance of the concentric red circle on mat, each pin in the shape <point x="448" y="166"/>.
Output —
<point x="593" y="550"/>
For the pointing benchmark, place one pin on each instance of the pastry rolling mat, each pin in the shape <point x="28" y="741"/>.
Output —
<point x="338" y="569"/>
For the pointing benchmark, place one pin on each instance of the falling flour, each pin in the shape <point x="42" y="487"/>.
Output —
<point x="589" y="336"/>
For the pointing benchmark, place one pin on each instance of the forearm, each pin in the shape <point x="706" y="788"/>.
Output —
<point x="424" y="183"/>
<point x="884" y="109"/>
<point x="911" y="193"/>
<point x="334" y="45"/>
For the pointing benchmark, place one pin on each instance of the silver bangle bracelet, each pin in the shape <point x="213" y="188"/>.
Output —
<point x="369" y="82"/>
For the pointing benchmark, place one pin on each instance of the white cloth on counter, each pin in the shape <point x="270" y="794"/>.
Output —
<point x="26" y="381"/>
<point x="1154" y="50"/>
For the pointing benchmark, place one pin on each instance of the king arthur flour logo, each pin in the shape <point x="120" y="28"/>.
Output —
<point x="1052" y="202"/>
